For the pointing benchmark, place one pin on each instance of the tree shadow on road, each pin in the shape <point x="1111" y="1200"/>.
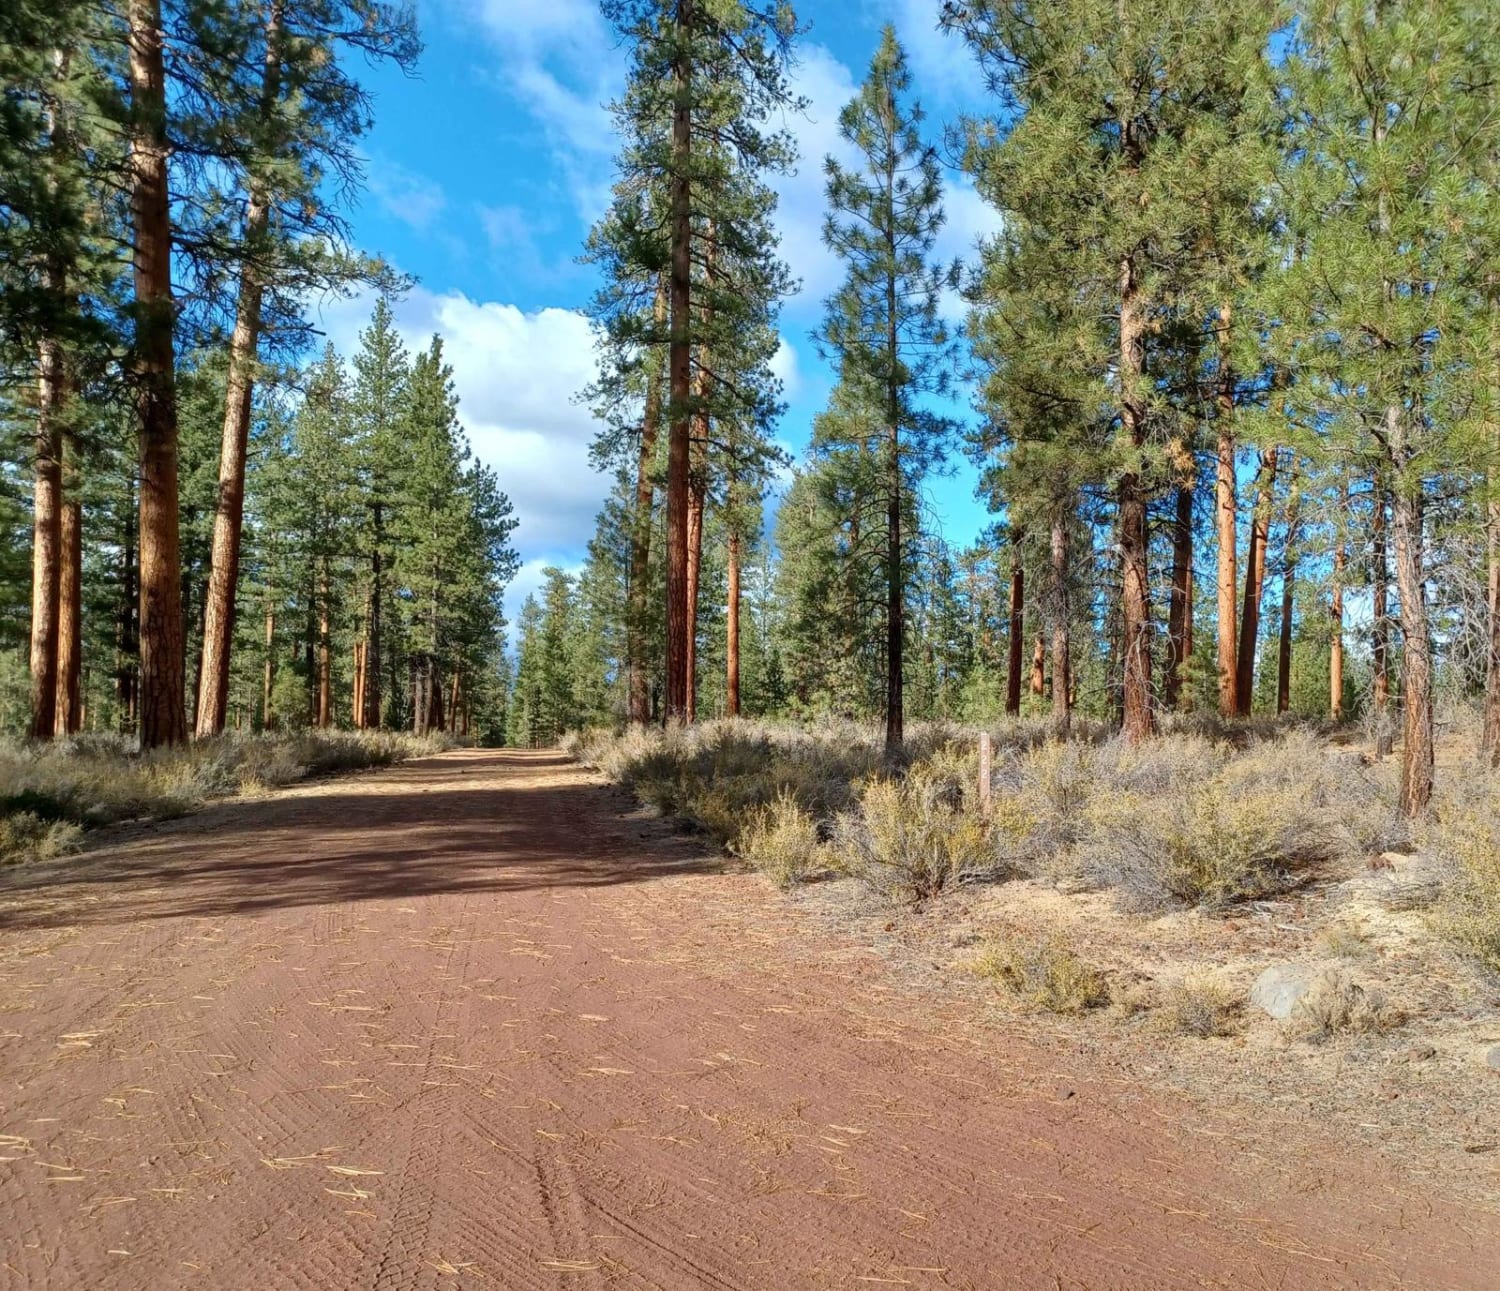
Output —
<point x="476" y="821"/>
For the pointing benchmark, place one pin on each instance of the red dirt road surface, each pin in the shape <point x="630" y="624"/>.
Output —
<point x="471" y="1023"/>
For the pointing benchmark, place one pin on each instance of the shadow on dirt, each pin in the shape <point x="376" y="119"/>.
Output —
<point x="439" y="825"/>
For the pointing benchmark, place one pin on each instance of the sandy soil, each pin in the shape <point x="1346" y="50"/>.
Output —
<point x="473" y="1022"/>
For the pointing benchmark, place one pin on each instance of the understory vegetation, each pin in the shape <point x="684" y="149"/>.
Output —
<point x="1208" y="817"/>
<point x="50" y="794"/>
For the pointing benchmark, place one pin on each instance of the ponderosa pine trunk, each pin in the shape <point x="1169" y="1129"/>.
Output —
<point x="127" y="635"/>
<point x="46" y="539"/>
<point x="696" y="490"/>
<point x="1489" y="744"/>
<point x="267" y="711"/>
<point x="224" y="565"/>
<point x="1380" y="628"/>
<point x="163" y="718"/>
<point x="1016" y="646"/>
<point x="640" y="538"/>
<point x="1417" y="755"/>
<point x="325" y="649"/>
<point x="732" y="631"/>
<point x="1062" y="668"/>
<point x="1138" y="721"/>
<point x="1288" y="590"/>
<point x="48" y="556"/>
<point x="1255" y="584"/>
<point x="1180" y="598"/>
<point x="699" y="431"/>
<point x="679" y="368"/>
<point x="69" y="715"/>
<point x="1226" y="523"/>
<point x="1038" y="685"/>
<point x="1336" y="618"/>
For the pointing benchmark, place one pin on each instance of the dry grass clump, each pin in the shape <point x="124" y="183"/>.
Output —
<point x="782" y="841"/>
<point x="25" y="836"/>
<point x="1466" y="840"/>
<point x="1042" y="973"/>
<point x="912" y="837"/>
<point x="1202" y="1007"/>
<point x="720" y="775"/>
<point x="1185" y="823"/>
<point x="88" y="781"/>
<point x="1186" y="819"/>
<point x="1337" y="1005"/>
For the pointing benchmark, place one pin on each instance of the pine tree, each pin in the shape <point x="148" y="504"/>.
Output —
<point x="882" y="326"/>
<point x="302" y="124"/>
<point x="1380" y="203"/>
<point x="705" y="77"/>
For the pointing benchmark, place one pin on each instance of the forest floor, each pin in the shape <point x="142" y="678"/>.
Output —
<point x="476" y="1021"/>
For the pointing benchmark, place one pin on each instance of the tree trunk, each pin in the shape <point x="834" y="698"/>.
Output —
<point x="1017" y="642"/>
<point x="1255" y="583"/>
<point x="1288" y="589"/>
<point x="46" y="539"/>
<point x="1138" y="721"/>
<point x="219" y="610"/>
<point x="268" y="712"/>
<point x="679" y="367"/>
<point x="69" y="716"/>
<point x="1380" y="623"/>
<point x="1180" y="599"/>
<point x="127" y="638"/>
<point x="640" y="538"/>
<point x="1336" y="615"/>
<point x="163" y="719"/>
<point x="325" y="649"/>
<point x="1416" y="653"/>
<point x="1062" y="670"/>
<point x="1489" y="746"/>
<point x="1039" y="665"/>
<point x="374" y="713"/>
<point x="357" y="700"/>
<point x="1226" y="520"/>
<point x="697" y="489"/>
<point x="732" y="632"/>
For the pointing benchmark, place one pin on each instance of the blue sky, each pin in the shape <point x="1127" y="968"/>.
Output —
<point x="485" y="171"/>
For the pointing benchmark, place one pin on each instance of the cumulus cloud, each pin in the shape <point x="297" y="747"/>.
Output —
<point x="516" y="375"/>
<point x="404" y="195"/>
<point x="559" y="60"/>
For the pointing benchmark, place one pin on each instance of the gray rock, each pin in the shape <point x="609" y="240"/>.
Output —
<point x="1492" y="1058"/>
<point x="1280" y="988"/>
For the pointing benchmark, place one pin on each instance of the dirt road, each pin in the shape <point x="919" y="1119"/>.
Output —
<point x="469" y="1023"/>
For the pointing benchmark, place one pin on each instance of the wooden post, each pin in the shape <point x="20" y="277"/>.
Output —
<point x="985" y="758"/>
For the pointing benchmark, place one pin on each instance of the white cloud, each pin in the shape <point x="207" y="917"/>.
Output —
<point x="827" y="85"/>
<point x="405" y="195"/>
<point x="943" y="71"/>
<point x="785" y="368"/>
<point x="516" y="375"/>
<point x="559" y="59"/>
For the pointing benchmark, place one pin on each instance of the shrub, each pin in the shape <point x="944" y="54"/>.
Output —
<point x="1202" y="1007"/>
<point x="910" y="838"/>
<point x="1043" y="974"/>
<point x="1223" y="840"/>
<point x="782" y="842"/>
<point x="1466" y="839"/>
<point x="1334" y="1004"/>
<point x="25" y="836"/>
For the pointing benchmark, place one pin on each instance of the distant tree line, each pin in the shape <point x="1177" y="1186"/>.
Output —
<point x="1233" y="354"/>
<point x="216" y="534"/>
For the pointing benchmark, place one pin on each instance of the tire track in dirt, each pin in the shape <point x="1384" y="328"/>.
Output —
<point x="472" y="1023"/>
